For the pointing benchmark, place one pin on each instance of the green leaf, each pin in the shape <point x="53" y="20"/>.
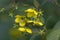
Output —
<point x="51" y="21"/>
<point x="57" y="26"/>
<point x="36" y="4"/>
<point x="55" y="33"/>
<point x="38" y="36"/>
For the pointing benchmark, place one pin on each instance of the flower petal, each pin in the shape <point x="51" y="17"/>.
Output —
<point x="28" y="30"/>
<point x="22" y="23"/>
<point x="17" y="20"/>
<point x="21" y="29"/>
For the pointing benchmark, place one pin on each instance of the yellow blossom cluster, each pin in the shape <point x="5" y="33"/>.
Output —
<point x="22" y="20"/>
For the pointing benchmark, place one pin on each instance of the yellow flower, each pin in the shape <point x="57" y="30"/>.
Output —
<point x="22" y="23"/>
<point x="35" y="14"/>
<point x="31" y="13"/>
<point x="25" y="30"/>
<point x="28" y="30"/>
<point x="17" y="20"/>
<point x="29" y="10"/>
<point x="29" y="21"/>
<point x="21" y="29"/>
<point x="20" y="19"/>
<point x="38" y="23"/>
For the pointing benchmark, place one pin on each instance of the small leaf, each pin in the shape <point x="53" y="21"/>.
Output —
<point x="36" y="4"/>
<point x="2" y="9"/>
<point x="11" y="14"/>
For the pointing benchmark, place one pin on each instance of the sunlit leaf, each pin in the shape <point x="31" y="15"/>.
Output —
<point x="11" y="14"/>
<point x="2" y="9"/>
<point x="22" y="23"/>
